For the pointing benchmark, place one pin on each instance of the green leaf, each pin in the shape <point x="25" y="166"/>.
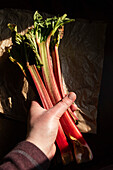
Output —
<point x="45" y="27"/>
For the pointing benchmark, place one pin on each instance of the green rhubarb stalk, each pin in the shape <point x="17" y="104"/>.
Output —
<point x="47" y="73"/>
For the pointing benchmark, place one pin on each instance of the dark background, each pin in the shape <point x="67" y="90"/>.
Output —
<point x="102" y="142"/>
<point x="90" y="9"/>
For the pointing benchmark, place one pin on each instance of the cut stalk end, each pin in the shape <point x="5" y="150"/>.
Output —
<point x="67" y="158"/>
<point x="82" y="152"/>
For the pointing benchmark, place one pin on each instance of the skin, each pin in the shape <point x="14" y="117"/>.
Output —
<point x="43" y="124"/>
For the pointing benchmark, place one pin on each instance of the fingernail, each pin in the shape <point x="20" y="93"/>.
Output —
<point x="72" y="96"/>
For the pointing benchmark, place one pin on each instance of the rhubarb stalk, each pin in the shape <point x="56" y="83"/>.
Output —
<point x="57" y="69"/>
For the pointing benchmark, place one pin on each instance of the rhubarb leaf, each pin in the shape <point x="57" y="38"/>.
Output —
<point x="17" y="50"/>
<point x="45" y="27"/>
<point x="31" y="43"/>
<point x="24" y="49"/>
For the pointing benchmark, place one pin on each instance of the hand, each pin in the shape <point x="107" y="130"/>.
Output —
<point x="44" y="124"/>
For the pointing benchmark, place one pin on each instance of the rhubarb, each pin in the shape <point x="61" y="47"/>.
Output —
<point x="32" y="52"/>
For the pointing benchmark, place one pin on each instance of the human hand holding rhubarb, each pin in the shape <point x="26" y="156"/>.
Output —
<point x="44" y="124"/>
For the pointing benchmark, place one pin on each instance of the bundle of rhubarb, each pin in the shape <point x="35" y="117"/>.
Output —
<point x="36" y="53"/>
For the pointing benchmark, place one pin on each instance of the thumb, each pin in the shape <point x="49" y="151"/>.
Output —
<point x="63" y="105"/>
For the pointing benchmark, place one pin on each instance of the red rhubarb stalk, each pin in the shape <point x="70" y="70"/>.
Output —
<point x="58" y="75"/>
<point x="61" y="140"/>
<point x="57" y="69"/>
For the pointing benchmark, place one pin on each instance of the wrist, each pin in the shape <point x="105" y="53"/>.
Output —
<point x="49" y="151"/>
